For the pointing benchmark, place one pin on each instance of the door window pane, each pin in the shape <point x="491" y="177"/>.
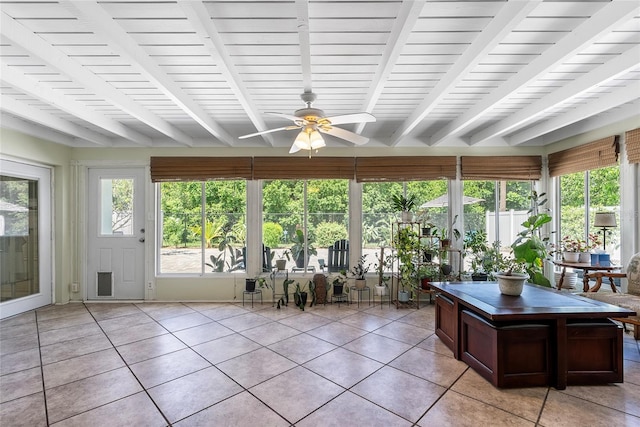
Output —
<point x="19" y="269"/>
<point x="116" y="213"/>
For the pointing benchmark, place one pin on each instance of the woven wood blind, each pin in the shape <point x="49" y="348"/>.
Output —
<point x="379" y="169"/>
<point x="303" y="167"/>
<point x="632" y="144"/>
<point x="516" y="168"/>
<point x="165" y="169"/>
<point x="594" y="155"/>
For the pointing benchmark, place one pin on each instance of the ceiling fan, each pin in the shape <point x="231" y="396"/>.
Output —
<point x="312" y="122"/>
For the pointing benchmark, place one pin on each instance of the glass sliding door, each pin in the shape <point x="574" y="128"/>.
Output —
<point x="25" y="249"/>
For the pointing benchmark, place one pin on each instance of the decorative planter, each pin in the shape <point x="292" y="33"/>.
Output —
<point x="381" y="290"/>
<point x="569" y="281"/>
<point x="403" y="296"/>
<point x="446" y="269"/>
<point x="571" y="256"/>
<point x="338" y="289"/>
<point x="584" y="257"/>
<point x="479" y="277"/>
<point x="445" y="243"/>
<point x="281" y="264"/>
<point x="424" y="283"/>
<point x="511" y="284"/>
<point x="250" y="285"/>
<point x="361" y="283"/>
<point x="426" y="231"/>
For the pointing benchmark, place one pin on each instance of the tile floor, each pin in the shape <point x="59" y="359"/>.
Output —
<point x="220" y="364"/>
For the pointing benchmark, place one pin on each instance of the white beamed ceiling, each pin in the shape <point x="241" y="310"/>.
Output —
<point x="433" y="73"/>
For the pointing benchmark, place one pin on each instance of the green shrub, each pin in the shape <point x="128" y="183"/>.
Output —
<point x="271" y="234"/>
<point x="328" y="232"/>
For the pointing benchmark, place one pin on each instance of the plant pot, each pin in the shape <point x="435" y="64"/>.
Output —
<point x="338" y="289"/>
<point x="479" y="277"/>
<point x="403" y="296"/>
<point x="361" y="283"/>
<point x="300" y="260"/>
<point x="570" y="279"/>
<point x="511" y="284"/>
<point x="381" y="290"/>
<point x="300" y="299"/>
<point x="426" y="231"/>
<point x="281" y="264"/>
<point x="406" y="216"/>
<point x="445" y="243"/>
<point x="424" y="283"/>
<point x="446" y="269"/>
<point x="571" y="256"/>
<point x="250" y="285"/>
<point x="584" y="257"/>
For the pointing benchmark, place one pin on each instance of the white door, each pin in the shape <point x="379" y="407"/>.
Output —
<point x="116" y="234"/>
<point x="26" y="261"/>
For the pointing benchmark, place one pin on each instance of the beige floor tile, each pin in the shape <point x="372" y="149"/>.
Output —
<point x="343" y="367"/>
<point x="454" y="409"/>
<point x="203" y="333"/>
<point x="224" y="312"/>
<point x="124" y="322"/>
<point x="409" y="334"/>
<point x="19" y="361"/>
<point x="430" y="366"/>
<point x="20" y="384"/>
<point x="112" y="311"/>
<point x="135" y="333"/>
<point x="81" y="318"/>
<point x="353" y="410"/>
<point x="625" y="397"/>
<point x="134" y="410"/>
<point x="337" y="333"/>
<point x="150" y="348"/>
<point x="225" y="348"/>
<point x="296" y="393"/>
<point x="233" y="412"/>
<point x="244" y="321"/>
<point x="389" y="388"/>
<point x="304" y="321"/>
<point x="302" y="348"/>
<point x="185" y="321"/>
<point x="168" y="367"/>
<point x="368" y="322"/>
<point x="70" y="333"/>
<point x="18" y="344"/>
<point x="18" y="319"/>
<point x="68" y="370"/>
<point x="192" y="393"/>
<point x="275" y="314"/>
<point x="524" y="402"/>
<point x="377" y="347"/>
<point x="562" y="409"/>
<point x="433" y="343"/>
<point x="270" y="333"/>
<point x="255" y="367"/>
<point x="28" y="328"/>
<point x="74" y="348"/>
<point x="25" y="411"/>
<point x="57" y="311"/>
<point x="333" y="311"/>
<point x="631" y="372"/>
<point x="168" y="312"/>
<point x="80" y="396"/>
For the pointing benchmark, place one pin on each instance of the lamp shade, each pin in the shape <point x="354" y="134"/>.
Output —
<point x="605" y="219"/>
<point x="302" y="141"/>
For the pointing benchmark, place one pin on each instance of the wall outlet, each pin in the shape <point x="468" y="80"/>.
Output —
<point x="75" y="287"/>
<point x="150" y="286"/>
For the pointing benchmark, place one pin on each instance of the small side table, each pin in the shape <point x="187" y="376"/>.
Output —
<point x="339" y="298"/>
<point x="360" y="291"/>
<point x="252" y="293"/>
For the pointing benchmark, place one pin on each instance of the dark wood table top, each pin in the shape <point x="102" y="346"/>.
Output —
<point x="587" y="266"/>
<point x="535" y="302"/>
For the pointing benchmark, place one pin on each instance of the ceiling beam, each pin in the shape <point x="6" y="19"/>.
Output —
<point x="621" y="64"/>
<point x="9" y="121"/>
<point x="601" y="23"/>
<point x="613" y="99"/>
<point x="402" y="27"/>
<point x="23" y="110"/>
<point x="199" y="18"/>
<point x="54" y="58"/>
<point x="37" y="90"/>
<point x="509" y="16"/>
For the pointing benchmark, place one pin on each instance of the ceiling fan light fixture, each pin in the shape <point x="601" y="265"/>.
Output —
<point x="302" y="141"/>
<point x="316" y="140"/>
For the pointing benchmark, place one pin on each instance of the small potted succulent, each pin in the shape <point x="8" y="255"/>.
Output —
<point x="359" y="272"/>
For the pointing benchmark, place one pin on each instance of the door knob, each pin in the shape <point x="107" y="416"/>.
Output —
<point x="141" y="240"/>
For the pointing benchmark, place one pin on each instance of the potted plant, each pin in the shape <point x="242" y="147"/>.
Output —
<point x="427" y="273"/>
<point x="250" y="284"/>
<point x="359" y="272"/>
<point x="529" y="250"/>
<point x="405" y="205"/>
<point x="476" y="248"/>
<point x="300" y="295"/>
<point x="281" y="262"/>
<point x="338" y="281"/>
<point x="445" y="235"/>
<point x="383" y="265"/>
<point x="407" y="244"/>
<point x="298" y="252"/>
<point x="424" y="218"/>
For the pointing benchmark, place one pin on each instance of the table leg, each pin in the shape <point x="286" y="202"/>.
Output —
<point x="613" y="285"/>
<point x="585" y="281"/>
<point x="564" y="269"/>
<point x="560" y="355"/>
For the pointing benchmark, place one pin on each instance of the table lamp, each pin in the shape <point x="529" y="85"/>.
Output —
<point x="605" y="220"/>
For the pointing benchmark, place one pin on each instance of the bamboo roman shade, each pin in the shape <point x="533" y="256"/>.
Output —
<point x="594" y="155"/>
<point x="515" y="168"/>
<point x="415" y="168"/>
<point x="632" y="145"/>
<point x="303" y="167"/>
<point x="165" y="169"/>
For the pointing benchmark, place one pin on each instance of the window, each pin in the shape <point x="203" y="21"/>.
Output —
<point x="304" y="214"/>
<point x="203" y="227"/>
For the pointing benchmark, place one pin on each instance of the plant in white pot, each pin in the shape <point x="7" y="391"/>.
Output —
<point x="359" y="272"/>
<point x="383" y="266"/>
<point x="405" y="205"/>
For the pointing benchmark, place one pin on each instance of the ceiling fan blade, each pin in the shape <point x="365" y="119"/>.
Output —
<point x="284" y="116"/>
<point x="268" y="131"/>
<point x="344" y="134"/>
<point x="294" y="148"/>
<point x="351" y="118"/>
